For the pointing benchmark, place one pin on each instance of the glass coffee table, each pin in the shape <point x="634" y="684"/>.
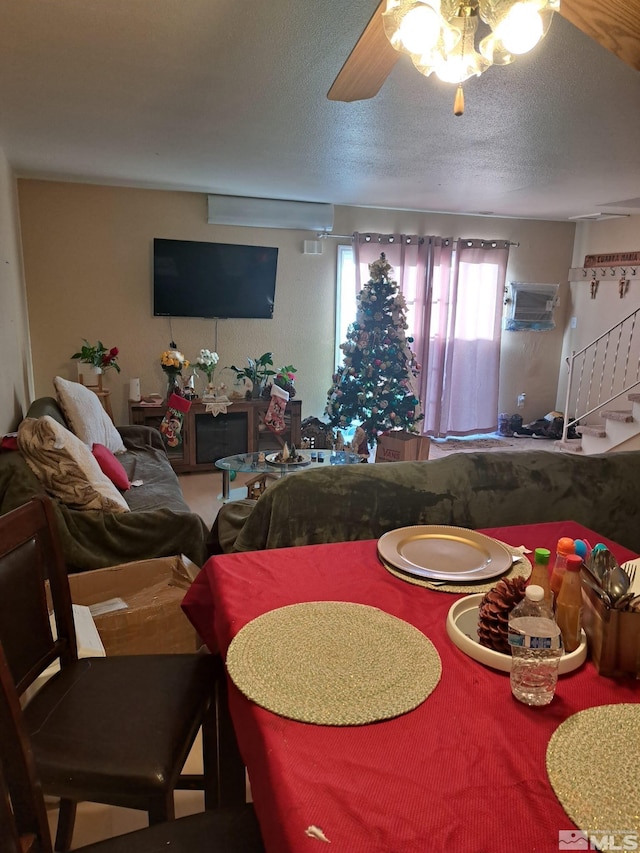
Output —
<point x="264" y="463"/>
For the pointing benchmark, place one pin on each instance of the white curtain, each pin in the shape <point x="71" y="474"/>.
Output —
<point x="455" y="290"/>
<point x="461" y="358"/>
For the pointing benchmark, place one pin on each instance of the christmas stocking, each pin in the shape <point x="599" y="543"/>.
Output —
<point x="171" y="426"/>
<point x="274" y="418"/>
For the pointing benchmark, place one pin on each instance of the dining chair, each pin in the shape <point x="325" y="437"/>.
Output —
<point x="23" y="817"/>
<point x="114" y="730"/>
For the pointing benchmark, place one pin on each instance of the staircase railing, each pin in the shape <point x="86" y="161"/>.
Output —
<point x="602" y="371"/>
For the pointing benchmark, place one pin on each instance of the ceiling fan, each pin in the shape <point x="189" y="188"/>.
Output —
<point x="615" y="24"/>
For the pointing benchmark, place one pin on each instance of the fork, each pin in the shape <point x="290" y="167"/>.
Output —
<point x="630" y="572"/>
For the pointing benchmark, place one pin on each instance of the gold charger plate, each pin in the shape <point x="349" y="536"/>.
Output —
<point x="333" y="663"/>
<point x="445" y="553"/>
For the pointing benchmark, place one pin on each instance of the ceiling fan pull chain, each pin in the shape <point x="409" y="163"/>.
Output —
<point x="458" y="104"/>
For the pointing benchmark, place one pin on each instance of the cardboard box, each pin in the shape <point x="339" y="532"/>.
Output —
<point x="613" y="635"/>
<point x="136" y="606"/>
<point x="402" y="446"/>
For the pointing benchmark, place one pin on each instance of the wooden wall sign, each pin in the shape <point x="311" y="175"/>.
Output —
<point x="611" y="260"/>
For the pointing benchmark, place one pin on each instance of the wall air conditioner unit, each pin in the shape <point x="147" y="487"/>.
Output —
<point x="530" y="306"/>
<point x="270" y="213"/>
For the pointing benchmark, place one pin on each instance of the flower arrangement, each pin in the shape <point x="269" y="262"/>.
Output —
<point x="285" y="377"/>
<point x="98" y="356"/>
<point x="173" y="361"/>
<point x="206" y="362"/>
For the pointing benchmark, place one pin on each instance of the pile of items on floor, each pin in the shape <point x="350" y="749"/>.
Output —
<point x="549" y="426"/>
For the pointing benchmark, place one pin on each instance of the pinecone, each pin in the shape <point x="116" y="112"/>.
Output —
<point x="493" y="615"/>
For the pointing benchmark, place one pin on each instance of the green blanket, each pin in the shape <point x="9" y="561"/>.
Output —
<point x="160" y="523"/>
<point x="474" y="490"/>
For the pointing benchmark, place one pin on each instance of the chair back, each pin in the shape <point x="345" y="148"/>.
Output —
<point x="23" y="817"/>
<point x="33" y="580"/>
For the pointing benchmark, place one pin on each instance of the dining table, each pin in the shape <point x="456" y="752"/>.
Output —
<point x="463" y="772"/>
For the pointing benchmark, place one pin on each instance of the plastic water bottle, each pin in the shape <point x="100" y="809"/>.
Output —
<point x="536" y="649"/>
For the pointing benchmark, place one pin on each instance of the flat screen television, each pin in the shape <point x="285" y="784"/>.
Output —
<point x="194" y="279"/>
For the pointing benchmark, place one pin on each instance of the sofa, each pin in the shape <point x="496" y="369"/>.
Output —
<point x="157" y="523"/>
<point x="473" y="490"/>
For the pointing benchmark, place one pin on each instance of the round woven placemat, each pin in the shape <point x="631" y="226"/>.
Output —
<point x="333" y="663"/>
<point x="521" y="568"/>
<point x="593" y="764"/>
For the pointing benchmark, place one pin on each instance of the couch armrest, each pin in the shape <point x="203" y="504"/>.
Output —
<point x="138" y="437"/>
<point x="47" y="406"/>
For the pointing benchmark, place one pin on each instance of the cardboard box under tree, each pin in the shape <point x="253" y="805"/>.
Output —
<point x="136" y="606"/>
<point x="402" y="446"/>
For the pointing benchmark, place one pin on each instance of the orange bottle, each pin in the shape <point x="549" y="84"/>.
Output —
<point x="565" y="547"/>
<point x="569" y="604"/>
<point x="540" y="573"/>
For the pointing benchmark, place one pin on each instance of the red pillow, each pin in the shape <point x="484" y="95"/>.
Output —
<point x="9" y="441"/>
<point x="111" y="467"/>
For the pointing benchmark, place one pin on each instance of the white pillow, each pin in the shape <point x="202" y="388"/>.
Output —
<point x="66" y="467"/>
<point x="86" y="417"/>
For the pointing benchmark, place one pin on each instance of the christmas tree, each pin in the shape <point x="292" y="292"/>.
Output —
<point x="375" y="385"/>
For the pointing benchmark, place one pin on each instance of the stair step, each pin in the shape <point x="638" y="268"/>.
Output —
<point x="613" y="415"/>
<point x="597" y="430"/>
<point x="634" y="398"/>
<point x="571" y="445"/>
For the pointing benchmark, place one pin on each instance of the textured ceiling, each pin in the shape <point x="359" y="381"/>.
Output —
<point x="227" y="97"/>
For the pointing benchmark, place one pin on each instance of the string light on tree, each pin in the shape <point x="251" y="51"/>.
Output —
<point x="375" y="385"/>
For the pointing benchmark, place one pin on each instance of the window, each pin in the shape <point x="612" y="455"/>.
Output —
<point x="346" y="297"/>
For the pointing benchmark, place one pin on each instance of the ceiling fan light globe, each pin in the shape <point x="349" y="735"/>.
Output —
<point x="464" y="61"/>
<point x="419" y="28"/>
<point x="427" y="63"/>
<point x="494" y="51"/>
<point x="521" y="29"/>
<point x="457" y="69"/>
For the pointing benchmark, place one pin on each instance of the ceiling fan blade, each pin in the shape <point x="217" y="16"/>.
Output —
<point x="615" y="24"/>
<point x="367" y="66"/>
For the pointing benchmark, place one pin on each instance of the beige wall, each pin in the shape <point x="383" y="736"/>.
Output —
<point x="88" y="271"/>
<point x="595" y="316"/>
<point x="14" y="337"/>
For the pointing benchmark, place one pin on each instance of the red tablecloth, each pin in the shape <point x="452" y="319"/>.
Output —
<point x="462" y="773"/>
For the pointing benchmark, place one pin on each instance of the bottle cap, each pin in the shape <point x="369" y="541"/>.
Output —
<point x="566" y="546"/>
<point x="574" y="563"/>
<point x="581" y="548"/>
<point x="541" y="555"/>
<point x="534" y="592"/>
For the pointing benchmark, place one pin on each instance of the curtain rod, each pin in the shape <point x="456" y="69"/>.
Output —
<point x="323" y="235"/>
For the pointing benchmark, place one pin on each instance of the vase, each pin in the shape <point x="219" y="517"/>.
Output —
<point x="209" y="391"/>
<point x="174" y="386"/>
